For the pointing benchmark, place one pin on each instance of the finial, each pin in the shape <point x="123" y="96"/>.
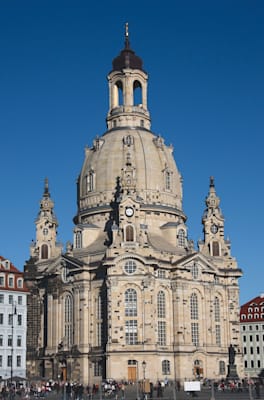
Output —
<point x="127" y="45"/>
<point x="211" y="181"/>
<point x="46" y="188"/>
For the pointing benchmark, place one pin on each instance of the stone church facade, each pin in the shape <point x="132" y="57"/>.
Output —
<point x="131" y="295"/>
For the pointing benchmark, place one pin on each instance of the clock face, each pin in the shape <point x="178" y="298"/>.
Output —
<point x="129" y="211"/>
<point x="214" y="228"/>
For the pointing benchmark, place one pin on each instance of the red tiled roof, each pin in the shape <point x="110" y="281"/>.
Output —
<point x="253" y="310"/>
<point x="16" y="274"/>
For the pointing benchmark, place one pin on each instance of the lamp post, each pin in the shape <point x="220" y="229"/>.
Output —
<point x="144" y="364"/>
<point x="12" y="348"/>
<point x="250" y="388"/>
<point x="212" y="390"/>
<point x="137" y="380"/>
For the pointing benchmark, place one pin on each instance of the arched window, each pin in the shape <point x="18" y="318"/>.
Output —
<point x="217" y="309"/>
<point x="181" y="238"/>
<point x="129" y="237"/>
<point x="194" y="306"/>
<point x="222" y="370"/>
<point x="44" y="251"/>
<point x="68" y="320"/>
<point x="195" y="270"/>
<point x="161" y="313"/>
<point x="99" y="321"/>
<point x="137" y="90"/>
<point x="161" y="305"/>
<point x="90" y="182"/>
<point x="216" y="250"/>
<point x="166" y="367"/>
<point x="78" y="240"/>
<point x="167" y="180"/>
<point x="130" y="303"/>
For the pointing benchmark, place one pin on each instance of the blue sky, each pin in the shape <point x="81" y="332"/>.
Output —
<point x="205" y="61"/>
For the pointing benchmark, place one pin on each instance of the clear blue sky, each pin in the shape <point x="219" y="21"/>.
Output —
<point x="205" y="61"/>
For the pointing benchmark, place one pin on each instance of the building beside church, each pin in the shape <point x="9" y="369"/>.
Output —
<point x="131" y="296"/>
<point x="13" y="322"/>
<point x="252" y="335"/>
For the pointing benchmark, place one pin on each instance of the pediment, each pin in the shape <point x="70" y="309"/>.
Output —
<point x="205" y="265"/>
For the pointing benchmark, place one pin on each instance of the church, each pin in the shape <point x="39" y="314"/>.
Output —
<point x="131" y="297"/>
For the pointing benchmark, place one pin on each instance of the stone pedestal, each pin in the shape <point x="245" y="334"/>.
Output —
<point x="232" y="372"/>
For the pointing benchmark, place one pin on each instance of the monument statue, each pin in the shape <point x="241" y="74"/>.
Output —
<point x="232" y="354"/>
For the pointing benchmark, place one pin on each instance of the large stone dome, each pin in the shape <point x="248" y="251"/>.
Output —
<point x="136" y="161"/>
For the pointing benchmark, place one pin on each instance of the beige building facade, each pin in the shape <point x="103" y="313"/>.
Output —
<point x="132" y="287"/>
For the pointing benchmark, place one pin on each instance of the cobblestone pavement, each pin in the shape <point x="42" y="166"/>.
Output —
<point x="168" y="394"/>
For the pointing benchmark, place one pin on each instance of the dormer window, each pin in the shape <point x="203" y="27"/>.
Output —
<point x="168" y="179"/>
<point x="20" y="283"/>
<point x="6" y="264"/>
<point x="90" y="181"/>
<point x="78" y="240"/>
<point x="181" y="238"/>
<point x="11" y="281"/>
<point x="195" y="270"/>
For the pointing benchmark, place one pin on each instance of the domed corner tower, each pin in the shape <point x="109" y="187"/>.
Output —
<point x="128" y="160"/>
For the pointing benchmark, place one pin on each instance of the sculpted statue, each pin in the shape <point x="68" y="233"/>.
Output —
<point x="232" y="354"/>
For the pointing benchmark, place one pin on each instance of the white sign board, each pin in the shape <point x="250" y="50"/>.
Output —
<point x="193" y="386"/>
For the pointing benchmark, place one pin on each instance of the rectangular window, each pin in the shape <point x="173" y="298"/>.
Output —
<point x="131" y="332"/>
<point x="18" y="361"/>
<point x="9" y="361"/>
<point x="257" y="349"/>
<point x="19" y="341"/>
<point x="257" y="338"/>
<point x="1" y="340"/>
<point x="195" y="333"/>
<point x="221" y="367"/>
<point x="1" y="319"/>
<point x="251" y="338"/>
<point x="218" y="335"/>
<point x="162" y="333"/>
<point x="244" y="338"/>
<point x="19" y="319"/>
<point x="10" y="281"/>
<point x="9" y="341"/>
<point x="1" y="298"/>
<point x="10" y="319"/>
<point x="258" y="363"/>
<point x="97" y="369"/>
<point x="251" y="350"/>
<point x="10" y="299"/>
<point x="166" y="367"/>
<point x="2" y="281"/>
<point x="1" y="361"/>
<point x="19" y="300"/>
<point x="20" y="283"/>
<point x="252" y="363"/>
<point x="245" y="350"/>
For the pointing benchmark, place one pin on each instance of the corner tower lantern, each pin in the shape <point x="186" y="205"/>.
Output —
<point x="128" y="90"/>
